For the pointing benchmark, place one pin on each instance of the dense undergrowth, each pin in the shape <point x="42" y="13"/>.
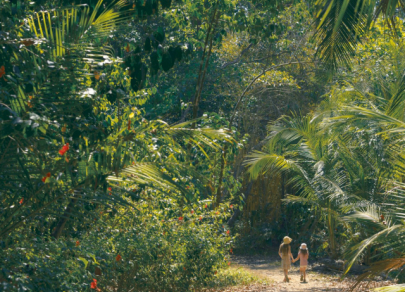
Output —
<point x="139" y="248"/>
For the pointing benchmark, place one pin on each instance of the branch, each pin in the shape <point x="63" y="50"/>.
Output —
<point x="238" y="58"/>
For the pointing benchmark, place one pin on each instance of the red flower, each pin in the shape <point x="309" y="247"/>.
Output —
<point x="180" y="218"/>
<point x="129" y="125"/>
<point x="93" y="284"/>
<point x="2" y="71"/>
<point x="184" y="268"/>
<point x="206" y="206"/>
<point x="77" y="243"/>
<point x="229" y="263"/>
<point x="227" y="232"/>
<point x="231" y="206"/>
<point x="21" y="201"/>
<point x="44" y="179"/>
<point x="187" y="187"/>
<point x="64" y="149"/>
<point x="231" y="251"/>
<point x="215" y="272"/>
<point x="109" y="189"/>
<point x="382" y="217"/>
<point x="48" y="174"/>
<point x="200" y="218"/>
<point x="118" y="258"/>
<point x="192" y="211"/>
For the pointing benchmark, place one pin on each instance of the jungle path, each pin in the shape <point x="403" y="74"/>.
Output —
<point x="318" y="279"/>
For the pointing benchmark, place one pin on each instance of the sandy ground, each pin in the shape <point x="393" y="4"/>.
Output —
<point x="269" y="268"/>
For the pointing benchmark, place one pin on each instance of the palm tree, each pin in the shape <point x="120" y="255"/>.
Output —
<point x="340" y="24"/>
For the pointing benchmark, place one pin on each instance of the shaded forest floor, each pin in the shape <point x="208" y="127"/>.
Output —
<point x="270" y="277"/>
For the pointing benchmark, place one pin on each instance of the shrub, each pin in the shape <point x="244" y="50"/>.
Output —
<point x="142" y="249"/>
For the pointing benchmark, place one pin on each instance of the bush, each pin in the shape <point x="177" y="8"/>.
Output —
<point x="137" y="249"/>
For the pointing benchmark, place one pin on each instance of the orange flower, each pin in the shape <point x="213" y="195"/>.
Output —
<point x="77" y="243"/>
<point x="44" y="179"/>
<point x="109" y="188"/>
<point x="118" y="258"/>
<point x="231" y="206"/>
<point x="48" y="174"/>
<point x="206" y="206"/>
<point x="96" y="75"/>
<point x="192" y="211"/>
<point x="21" y="201"/>
<point x="227" y="232"/>
<point x="184" y="268"/>
<point x="200" y="218"/>
<point x="127" y="48"/>
<point x="180" y="218"/>
<point x="231" y="251"/>
<point x="2" y="71"/>
<point x="93" y="284"/>
<point x="229" y="263"/>
<point x="215" y="272"/>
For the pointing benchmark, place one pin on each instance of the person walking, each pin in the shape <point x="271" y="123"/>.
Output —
<point x="303" y="255"/>
<point x="286" y="256"/>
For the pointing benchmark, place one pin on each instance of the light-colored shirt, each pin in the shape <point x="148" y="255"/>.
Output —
<point x="303" y="258"/>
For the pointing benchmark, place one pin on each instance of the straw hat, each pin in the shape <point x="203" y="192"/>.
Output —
<point x="303" y="246"/>
<point x="286" y="240"/>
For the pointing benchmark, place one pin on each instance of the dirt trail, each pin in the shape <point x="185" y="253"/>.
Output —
<point x="269" y="268"/>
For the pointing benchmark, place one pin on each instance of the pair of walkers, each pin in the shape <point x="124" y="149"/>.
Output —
<point x="285" y="254"/>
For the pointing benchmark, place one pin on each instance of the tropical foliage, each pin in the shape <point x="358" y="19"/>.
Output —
<point x="137" y="137"/>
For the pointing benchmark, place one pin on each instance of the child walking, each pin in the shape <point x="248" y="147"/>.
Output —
<point x="285" y="254"/>
<point x="303" y="255"/>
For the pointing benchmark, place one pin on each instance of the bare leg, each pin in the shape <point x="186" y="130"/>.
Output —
<point x="285" y="275"/>
<point x="305" y="274"/>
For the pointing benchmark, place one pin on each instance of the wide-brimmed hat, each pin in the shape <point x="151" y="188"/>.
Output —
<point x="303" y="246"/>
<point x="286" y="240"/>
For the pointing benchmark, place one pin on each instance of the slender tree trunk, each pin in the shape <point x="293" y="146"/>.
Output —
<point x="204" y="66"/>
<point x="331" y="226"/>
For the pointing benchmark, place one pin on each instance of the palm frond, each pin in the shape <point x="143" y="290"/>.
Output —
<point x="260" y="163"/>
<point x="393" y="288"/>
<point x="149" y="174"/>
<point x="66" y="28"/>
<point x="339" y="23"/>
<point x="382" y="266"/>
